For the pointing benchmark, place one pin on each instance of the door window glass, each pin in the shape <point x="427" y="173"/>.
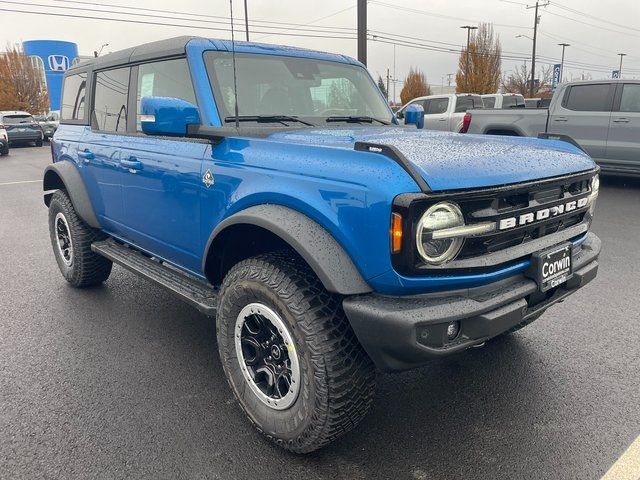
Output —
<point x="110" y="104"/>
<point x="589" y="98"/>
<point x="438" y="105"/>
<point x="169" y="78"/>
<point x="630" y="101"/>
<point x="489" y="102"/>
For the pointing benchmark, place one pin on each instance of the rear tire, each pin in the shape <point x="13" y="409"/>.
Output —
<point x="71" y="240"/>
<point x="4" y="151"/>
<point x="39" y="143"/>
<point x="336" y="378"/>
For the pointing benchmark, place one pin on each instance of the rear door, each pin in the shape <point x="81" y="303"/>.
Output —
<point x="584" y="115"/>
<point x="623" y="143"/>
<point x="436" y="114"/>
<point x="101" y="147"/>
<point x="161" y="176"/>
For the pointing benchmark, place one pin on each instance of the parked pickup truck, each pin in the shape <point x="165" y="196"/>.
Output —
<point x="602" y="117"/>
<point x="325" y="238"/>
<point x="503" y="100"/>
<point x="445" y="112"/>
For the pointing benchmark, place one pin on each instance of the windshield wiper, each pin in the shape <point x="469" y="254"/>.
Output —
<point x="355" y="119"/>
<point x="268" y="119"/>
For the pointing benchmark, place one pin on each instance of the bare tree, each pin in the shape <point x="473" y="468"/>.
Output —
<point x="485" y="61"/>
<point x="22" y="84"/>
<point x="519" y="81"/>
<point x="415" y="85"/>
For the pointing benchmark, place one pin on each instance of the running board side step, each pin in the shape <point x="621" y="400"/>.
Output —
<point x="190" y="289"/>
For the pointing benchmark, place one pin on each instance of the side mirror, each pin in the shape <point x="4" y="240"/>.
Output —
<point x="414" y="115"/>
<point x="167" y="116"/>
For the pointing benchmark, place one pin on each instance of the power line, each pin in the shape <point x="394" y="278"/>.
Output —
<point x="593" y="17"/>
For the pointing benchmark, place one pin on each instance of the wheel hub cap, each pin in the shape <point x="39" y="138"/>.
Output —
<point x="63" y="239"/>
<point x="267" y="356"/>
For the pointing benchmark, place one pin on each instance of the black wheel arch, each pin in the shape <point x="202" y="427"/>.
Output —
<point x="64" y="175"/>
<point x="270" y="227"/>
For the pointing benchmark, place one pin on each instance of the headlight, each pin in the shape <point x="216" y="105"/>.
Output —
<point x="595" y="188"/>
<point x="441" y="216"/>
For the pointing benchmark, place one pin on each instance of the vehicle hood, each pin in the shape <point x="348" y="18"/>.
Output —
<point x="451" y="161"/>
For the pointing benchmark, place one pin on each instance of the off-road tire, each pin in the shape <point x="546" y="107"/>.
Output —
<point x="337" y="377"/>
<point x="87" y="267"/>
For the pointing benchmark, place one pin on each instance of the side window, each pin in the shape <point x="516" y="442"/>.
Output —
<point x="169" y="78"/>
<point x="110" y="100"/>
<point x="464" y="103"/>
<point x="73" y="93"/>
<point x="588" y="98"/>
<point x="438" y="105"/>
<point x="489" y="102"/>
<point x="630" y="101"/>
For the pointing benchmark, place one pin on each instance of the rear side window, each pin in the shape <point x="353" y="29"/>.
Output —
<point x="468" y="102"/>
<point x="110" y="100"/>
<point x="489" y="102"/>
<point x="438" y="105"/>
<point x="17" y="119"/>
<point x="169" y="78"/>
<point x="73" y="97"/>
<point x="630" y="101"/>
<point x="588" y="98"/>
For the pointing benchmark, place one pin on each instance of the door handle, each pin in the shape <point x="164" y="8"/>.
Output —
<point x="560" y="119"/>
<point x="620" y="120"/>
<point x="86" y="155"/>
<point x="442" y="120"/>
<point x="132" y="164"/>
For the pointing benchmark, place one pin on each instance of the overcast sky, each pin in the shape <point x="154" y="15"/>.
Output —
<point x="597" y="30"/>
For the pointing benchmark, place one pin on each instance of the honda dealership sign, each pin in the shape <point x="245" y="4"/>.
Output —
<point x="56" y="57"/>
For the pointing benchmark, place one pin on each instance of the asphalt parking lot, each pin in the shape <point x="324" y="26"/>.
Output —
<point x="124" y="381"/>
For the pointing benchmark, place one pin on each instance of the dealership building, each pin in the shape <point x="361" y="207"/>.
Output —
<point x="52" y="58"/>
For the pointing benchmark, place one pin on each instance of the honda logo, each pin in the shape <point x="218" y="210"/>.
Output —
<point x="58" y="63"/>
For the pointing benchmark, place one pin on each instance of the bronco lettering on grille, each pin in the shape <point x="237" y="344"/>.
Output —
<point x="542" y="214"/>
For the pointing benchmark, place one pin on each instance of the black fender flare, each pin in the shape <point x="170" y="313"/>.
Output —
<point x="65" y="175"/>
<point x="310" y="240"/>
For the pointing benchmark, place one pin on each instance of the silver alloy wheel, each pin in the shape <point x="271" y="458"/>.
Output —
<point x="63" y="239"/>
<point x="267" y="356"/>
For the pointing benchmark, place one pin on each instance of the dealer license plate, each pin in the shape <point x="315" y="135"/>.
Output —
<point x="553" y="267"/>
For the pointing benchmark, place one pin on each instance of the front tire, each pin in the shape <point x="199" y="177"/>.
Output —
<point x="71" y="240"/>
<point x="290" y="356"/>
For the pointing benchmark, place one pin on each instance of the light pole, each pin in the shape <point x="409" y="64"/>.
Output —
<point x="246" y="20"/>
<point x="620" y="69"/>
<point x="563" y="45"/>
<point x="466" y="68"/>
<point x="97" y="54"/>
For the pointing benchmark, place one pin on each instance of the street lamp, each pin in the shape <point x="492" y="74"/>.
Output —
<point x="97" y="54"/>
<point x="563" y="45"/>
<point x="525" y="36"/>
<point x="466" y="73"/>
<point x="620" y="69"/>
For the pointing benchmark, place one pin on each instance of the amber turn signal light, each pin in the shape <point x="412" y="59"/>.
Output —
<point x="396" y="232"/>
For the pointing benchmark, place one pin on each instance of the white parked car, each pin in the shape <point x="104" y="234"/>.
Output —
<point x="445" y="112"/>
<point x="503" y="100"/>
<point x="4" y="141"/>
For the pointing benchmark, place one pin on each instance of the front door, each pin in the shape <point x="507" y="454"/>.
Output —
<point x="584" y="115"/>
<point x="623" y="144"/>
<point x="161" y="176"/>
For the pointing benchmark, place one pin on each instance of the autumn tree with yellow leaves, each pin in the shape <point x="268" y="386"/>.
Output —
<point x="21" y="84"/>
<point x="415" y="85"/>
<point x="485" y="61"/>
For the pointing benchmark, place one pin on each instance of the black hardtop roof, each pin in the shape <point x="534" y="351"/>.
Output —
<point x="161" y="48"/>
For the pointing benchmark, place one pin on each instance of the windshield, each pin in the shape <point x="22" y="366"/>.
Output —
<point x="311" y="89"/>
<point x="16" y="119"/>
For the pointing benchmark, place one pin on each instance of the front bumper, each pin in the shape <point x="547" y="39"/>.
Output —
<point x="400" y="333"/>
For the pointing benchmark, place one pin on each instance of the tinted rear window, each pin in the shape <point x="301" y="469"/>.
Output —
<point x="73" y="94"/>
<point x="17" y="119"/>
<point x="630" y="101"/>
<point x="589" y="98"/>
<point x="510" y="101"/>
<point x="489" y="102"/>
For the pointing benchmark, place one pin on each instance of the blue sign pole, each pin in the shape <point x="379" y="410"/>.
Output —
<point x="557" y="71"/>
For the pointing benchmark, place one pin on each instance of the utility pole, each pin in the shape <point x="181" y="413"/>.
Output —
<point x="362" y="31"/>
<point x="387" y="85"/>
<point x="394" y="73"/>
<point x="620" y="69"/>
<point x="536" y="20"/>
<point x="246" y="20"/>
<point x="563" y="45"/>
<point x="449" y="77"/>
<point x="466" y="68"/>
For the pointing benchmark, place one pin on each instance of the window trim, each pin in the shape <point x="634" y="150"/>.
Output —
<point x="610" y="96"/>
<point x="88" y="95"/>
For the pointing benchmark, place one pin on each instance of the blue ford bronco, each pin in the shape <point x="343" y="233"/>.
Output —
<point x="273" y="189"/>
